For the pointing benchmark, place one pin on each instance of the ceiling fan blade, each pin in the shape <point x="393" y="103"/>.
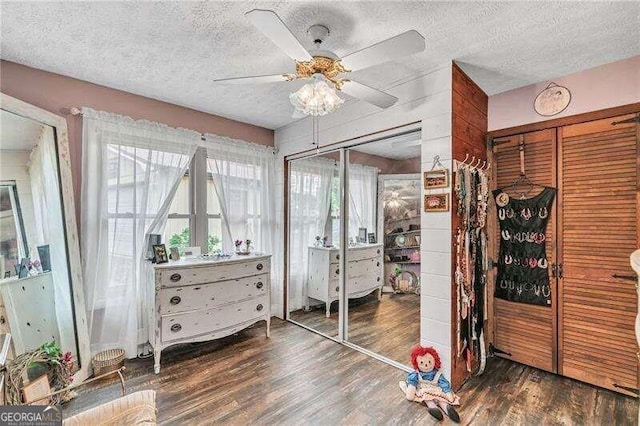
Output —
<point x="275" y="78"/>
<point x="402" y="45"/>
<point x="368" y="94"/>
<point x="272" y="26"/>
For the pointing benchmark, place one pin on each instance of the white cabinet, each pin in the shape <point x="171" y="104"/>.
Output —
<point x="198" y="300"/>
<point x="364" y="273"/>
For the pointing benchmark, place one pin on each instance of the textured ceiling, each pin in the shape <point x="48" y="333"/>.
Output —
<point x="172" y="51"/>
<point x="18" y="133"/>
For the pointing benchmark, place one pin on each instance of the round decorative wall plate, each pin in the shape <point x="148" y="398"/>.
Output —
<point x="401" y="240"/>
<point x="552" y="100"/>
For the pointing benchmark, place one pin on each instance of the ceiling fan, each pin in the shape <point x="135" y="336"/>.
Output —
<point x="323" y="64"/>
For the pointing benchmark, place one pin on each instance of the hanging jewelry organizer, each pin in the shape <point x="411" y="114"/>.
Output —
<point x="523" y="274"/>
<point x="472" y="192"/>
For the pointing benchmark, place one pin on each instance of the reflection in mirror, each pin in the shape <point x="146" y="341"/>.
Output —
<point x="34" y="271"/>
<point x="314" y="238"/>
<point x="383" y="259"/>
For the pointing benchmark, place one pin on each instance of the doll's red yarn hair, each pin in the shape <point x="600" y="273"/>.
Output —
<point x="422" y="351"/>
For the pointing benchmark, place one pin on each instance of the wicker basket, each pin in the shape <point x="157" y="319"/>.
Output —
<point x="109" y="360"/>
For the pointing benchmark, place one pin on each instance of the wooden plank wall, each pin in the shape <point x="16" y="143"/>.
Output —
<point x="469" y="105"/>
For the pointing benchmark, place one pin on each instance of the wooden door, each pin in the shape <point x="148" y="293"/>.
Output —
<point x="598" y="223"/>
<point x="521" y="332"/>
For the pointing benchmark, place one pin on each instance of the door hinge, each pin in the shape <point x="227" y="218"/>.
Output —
<point x="493" y="350"/>
<point x="560" y="270"/>
<point x="635" y="119"/>
<point x="633" y="278"/>
<point x="627" y="388"/>
<point x="490" y="143"/>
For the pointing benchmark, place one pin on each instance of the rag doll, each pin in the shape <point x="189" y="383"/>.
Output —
<point x="427" y="385"/>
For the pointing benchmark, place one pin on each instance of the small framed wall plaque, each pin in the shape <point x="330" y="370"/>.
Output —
<point x="438" y="178"/>
<point x="436" y="203"/>
<point x="552" y="100"/>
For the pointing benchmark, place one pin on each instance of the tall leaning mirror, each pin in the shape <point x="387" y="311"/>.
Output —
<point x="383" y="257"/>
<point x="40" y="276"/>
<point x="314" y="242"/>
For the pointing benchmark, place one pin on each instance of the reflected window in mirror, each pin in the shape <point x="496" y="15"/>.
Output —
<point x="13" y="240"/>
<point x="333" y="222"/>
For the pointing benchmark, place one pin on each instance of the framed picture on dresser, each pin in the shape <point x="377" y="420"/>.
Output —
<point x="160" y="254"/>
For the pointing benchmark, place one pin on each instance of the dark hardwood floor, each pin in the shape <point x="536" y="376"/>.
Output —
<point x="298" y="377"/>
<point x="389" y="327"/>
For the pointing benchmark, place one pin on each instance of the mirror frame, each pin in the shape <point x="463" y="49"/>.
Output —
<point x="59" y="125"/>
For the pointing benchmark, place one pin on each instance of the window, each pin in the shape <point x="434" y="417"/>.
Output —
<point x="214" y="218"/>
<point x="197" y="198"/>
<point x="13" y="242"/>
<point x="177" y="231"/>
<point x="242" y="189"/>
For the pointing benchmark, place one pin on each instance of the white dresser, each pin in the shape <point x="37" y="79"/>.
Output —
<point x="365" y="265"/>
<point x="198" y="300"/>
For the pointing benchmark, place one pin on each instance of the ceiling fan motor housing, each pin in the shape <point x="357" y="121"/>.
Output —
<point x="318" y="33"/>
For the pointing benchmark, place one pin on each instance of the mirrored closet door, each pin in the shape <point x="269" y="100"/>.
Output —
<point x="383" y="257"/>
<point x="314" y="242"/>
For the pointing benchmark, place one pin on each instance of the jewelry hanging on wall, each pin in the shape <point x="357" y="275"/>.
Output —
<point x="471" y="189"/>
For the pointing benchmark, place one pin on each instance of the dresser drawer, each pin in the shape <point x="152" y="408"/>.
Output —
<point x="359" y="268"/>
<point x="189" y="324"/>
<point x="363" y="284"/>
<point x="334" y="289"/>
<point x="192" y="297"/>
<point x="356" y="254"/>
<point x="171" y="277"/>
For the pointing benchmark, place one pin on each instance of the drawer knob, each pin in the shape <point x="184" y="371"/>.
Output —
<point x="259" y="307"/>
<point x="259" y="266"/>
<point x="377" y="263"/>
<point x="378" y="251"/>
<point x="259" y="284"/>
<point x="337" y="288"/>
<point x="176" y="327"/>
<point x="338" y="256"/>
<point x="378" y="279"/>
<point x="175" y="278"/>
<point x="338" y="271"/>
<point x="175" y="300"/>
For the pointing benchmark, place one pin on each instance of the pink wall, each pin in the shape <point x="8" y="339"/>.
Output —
<point x="606" y="86"/>
<point x="57" y="93"/>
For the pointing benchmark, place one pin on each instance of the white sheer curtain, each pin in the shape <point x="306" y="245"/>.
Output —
<point x="244" y="181"/>
<point x="309" y="203"/>
<point x="131" y="171"/>
<point x="49" y="229"/>
<point x="363" y="193"/>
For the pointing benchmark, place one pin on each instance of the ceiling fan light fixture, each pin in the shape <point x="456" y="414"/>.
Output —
<point x="316" y="98"/>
